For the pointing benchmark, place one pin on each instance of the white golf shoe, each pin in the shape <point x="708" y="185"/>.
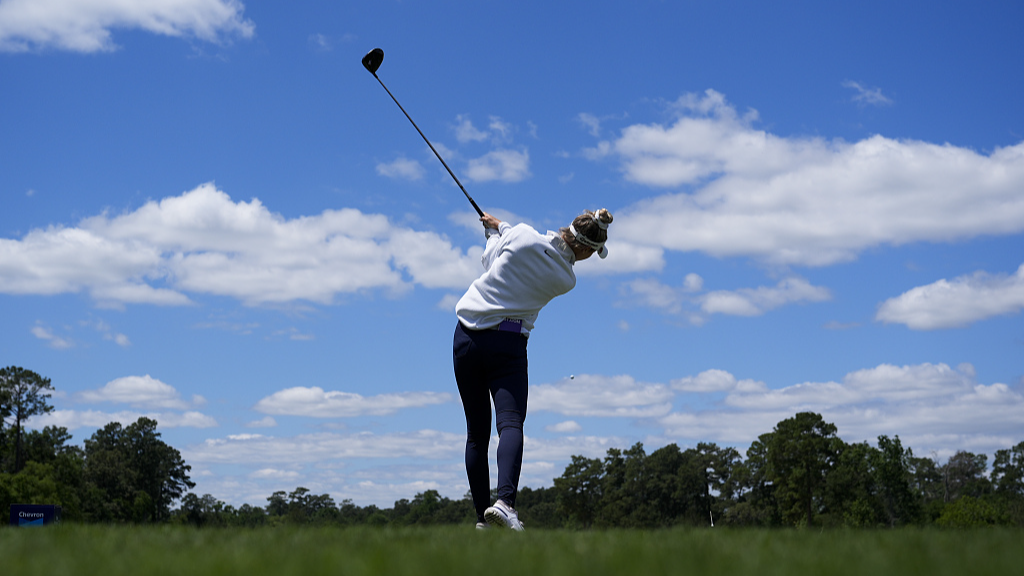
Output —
<point x="503" y="516"/>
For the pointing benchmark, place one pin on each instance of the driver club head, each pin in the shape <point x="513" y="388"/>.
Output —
<point x="373" y="59"/>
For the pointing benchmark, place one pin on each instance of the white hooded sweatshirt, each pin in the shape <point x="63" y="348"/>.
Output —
<point x="524" y="271"/>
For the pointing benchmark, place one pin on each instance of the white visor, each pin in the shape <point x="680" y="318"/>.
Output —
<point x="598" y="247"/>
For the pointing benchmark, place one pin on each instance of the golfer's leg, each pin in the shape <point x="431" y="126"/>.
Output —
<point x="477" y="405"/>
<point x="510" y="396"/>
<point x="476" y="464"/>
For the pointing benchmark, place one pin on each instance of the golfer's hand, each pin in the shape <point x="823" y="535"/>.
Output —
<point x="490" y="221"/>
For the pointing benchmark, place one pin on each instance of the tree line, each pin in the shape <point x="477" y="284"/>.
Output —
<point x="800" y="474"/>
<point x="121" y="474"/>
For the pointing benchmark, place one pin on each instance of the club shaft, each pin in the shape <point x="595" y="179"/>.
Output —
<point x="443" y="163"/>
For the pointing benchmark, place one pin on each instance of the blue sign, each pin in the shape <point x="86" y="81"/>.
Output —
<point x="34" y="514"/>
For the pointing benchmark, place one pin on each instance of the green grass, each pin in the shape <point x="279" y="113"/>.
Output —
<point x="113" y="551"/>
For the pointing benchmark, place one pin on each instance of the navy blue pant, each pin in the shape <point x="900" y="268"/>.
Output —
<point x="491" y="365"/>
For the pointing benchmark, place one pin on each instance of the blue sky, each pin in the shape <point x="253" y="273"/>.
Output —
<point x="214" y="216"/>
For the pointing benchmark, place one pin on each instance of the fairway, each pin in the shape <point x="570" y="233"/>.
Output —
<point x="445" y="551"/>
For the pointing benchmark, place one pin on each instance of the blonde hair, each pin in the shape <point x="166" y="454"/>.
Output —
<point x="593" y="225"/>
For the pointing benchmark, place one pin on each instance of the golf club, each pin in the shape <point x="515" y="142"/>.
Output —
<point x="372" y="62"/>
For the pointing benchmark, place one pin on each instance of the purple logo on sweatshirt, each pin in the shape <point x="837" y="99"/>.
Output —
<point x="511" y="325"/>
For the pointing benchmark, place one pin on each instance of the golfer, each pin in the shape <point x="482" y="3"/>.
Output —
<point x="524" y="271"/>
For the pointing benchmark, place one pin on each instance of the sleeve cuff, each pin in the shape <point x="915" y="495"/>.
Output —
<point x="502" y="228"/>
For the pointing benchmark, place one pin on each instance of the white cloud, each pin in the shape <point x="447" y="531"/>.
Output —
<point x="566" y="427"/>
<point x="470" y="221"/>
<point x="563" y="448"/>
<point x="402" y="169"/>
<point x="932" y="407"/>
<point x="602" y="150"/>
<point x="203" y="242"/>
<point x="757" y="301"/>
<point x="498" y="131"/>
<point x="466" y="132"/>
<point x="265" y="422"/>
<point x="60" y="260"/>
<point x="715" y="381"/>
<point x="269" y="451"/>
<point x="503" y="165"/>
<point x="74" y="419"/>
<point x="956" y="303"/>
<point x="921" y="403"/>
<point x="317" y="403"/>
<point x="592" y="395"/>
<point x="805" y="201"/>
<point x="693" y="283"/>
<point x="741" y="302"/>
<point x="654" y="294"/>
<point x="128" y="292"/>
<point x="623" y="258"/>
<point x="330" y="463"/>
<point x="448" y="302"/>
<point x="864" y="95"/>
<point x="272" y="474"/>
<point x="139" y="392"/>
<point x="86" y="25"/>
<point x="432" y="260"/>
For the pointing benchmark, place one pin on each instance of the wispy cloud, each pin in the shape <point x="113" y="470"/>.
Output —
<point x="265" y="422"/>
<point x="74" y="419"/>
<point x="503" y="165"/>
<point x="689" y="299"/>
<point x="465" y="131"/>
<point x="54" y="341"/>
<point x="270" y="451"/>
<point x="321" y="42"/>
<point x="867" y="96"/>
<point x="402" y="169"/>
<point x="591" y="123"/>
<point x="108" y="332"/>
<point x="315" y="402"/>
